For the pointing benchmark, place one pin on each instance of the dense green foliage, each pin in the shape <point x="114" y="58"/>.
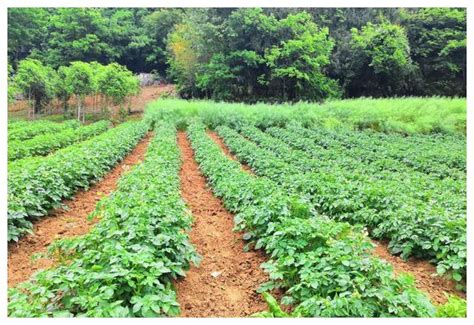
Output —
<point x="37" y="184"/>
<point x="44" y="144"/>
<point x="403" y="115"/>
<point x="379" y="193"/>
<point x="26" y="130"/>
<point x="40" y="84"/>
<point x="35" y="81"/>
<point x="455" y="307"/>
<point x="325" y="266"/>
<point x="125" y="266"/>
<point x="253" y="54"/>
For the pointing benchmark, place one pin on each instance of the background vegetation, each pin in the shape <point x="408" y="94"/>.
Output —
<point x="253" y="54"/>
<point x="400" y="115"/>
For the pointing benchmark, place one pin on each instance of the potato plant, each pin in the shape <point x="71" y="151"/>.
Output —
<point x="37" y="184"/>
<point x="125" y="266"/>
<point x="28" y="131"/>
<point x="325" y="266"/>
<point x="414" y="226"/>
<point x="44" y="144"/>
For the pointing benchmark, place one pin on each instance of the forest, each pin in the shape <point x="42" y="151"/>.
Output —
<point x="257" y="55"/>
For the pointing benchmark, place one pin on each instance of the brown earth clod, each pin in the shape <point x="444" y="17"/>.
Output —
<point x="64" y="223"/>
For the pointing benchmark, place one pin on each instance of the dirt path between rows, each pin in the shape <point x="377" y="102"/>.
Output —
<point x="62" y="223"/>
<point x="225" y="283"/>
<point x="423" y="271"/>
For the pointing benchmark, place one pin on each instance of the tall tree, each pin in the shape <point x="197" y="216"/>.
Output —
<point x="383" y="60"/>
<point x="438" y="42"/>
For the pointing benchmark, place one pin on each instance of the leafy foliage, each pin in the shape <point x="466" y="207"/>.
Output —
<point x="44" y="144"/>
<point x="383" y="60"/>
<point x="35" y="81"/>
<point x="125" y="266"/>
<point x="370" y="193"/>
<point x="407" y="116"/>
<point x="27" y="130"/>
<point x="455" y="307"/>
<point x="37" y="184"/>
<point x="117" y="83"/>
<point x="325" y="266"/>
<point x="254" y="54"/>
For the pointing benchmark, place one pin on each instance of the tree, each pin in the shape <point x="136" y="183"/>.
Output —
<point x="36" y="82"/>
<point x="438" y="42"/>
<point x="383" y="63"/>
<point x="63" y="89"/>
<point x="80" y="81"/>
<point x="26" y="31"/>
<point x="117" y="83"/>
<point x="297" y="62"/>
<point x="183" y="59"/>
<point x="157" y="26"/>
<point x="11" y="85"/>
<point x="77" y="34"/>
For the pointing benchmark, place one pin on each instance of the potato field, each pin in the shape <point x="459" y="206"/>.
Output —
<point x="203" y="209"/>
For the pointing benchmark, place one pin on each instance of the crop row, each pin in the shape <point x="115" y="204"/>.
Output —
<point x="40" y="127"/>
<point x="448" y="193"/>
<point x="37" y="184"/>
<point x="438" y="156"/>
<point x="44" y="144"/>
<point x="125" y="266"/>
<point x="413" y="227"/>
<point x="326" y="267"/>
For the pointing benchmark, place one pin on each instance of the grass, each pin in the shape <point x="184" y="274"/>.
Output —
<point x="401" y="115"/>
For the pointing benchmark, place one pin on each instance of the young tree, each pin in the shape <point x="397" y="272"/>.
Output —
<point x="36" y="82"/>
<point x="62" y="88"/>
<point x="117" y="83"/>
<point x="97" y="70"/>
<point x="80" y="80"/>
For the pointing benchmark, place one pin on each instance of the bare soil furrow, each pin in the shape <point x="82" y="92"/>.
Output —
<point x="225" y="283"/>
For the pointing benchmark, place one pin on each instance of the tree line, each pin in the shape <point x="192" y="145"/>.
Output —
<point x="40" y="84"/>
<point x="254" y="54"/>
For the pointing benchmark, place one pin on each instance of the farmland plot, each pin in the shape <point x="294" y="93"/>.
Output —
<point x="304" y="200"/>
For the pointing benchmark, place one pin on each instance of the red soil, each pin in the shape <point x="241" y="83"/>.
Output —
<point x="61" y="223"/>
<point x="225" y="283"/>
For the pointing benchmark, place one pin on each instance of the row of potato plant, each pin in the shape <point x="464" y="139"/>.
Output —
<point x="382" y="173"/>
<point x="125" y="266"/>
<point x="437" y="155"/>
<point x="44" y="144"/>
<point x="37" y="184"/>
<point x="450" y="193"/>
<point x="326" y="267"/>
<point x="25" y="132"/>
<point x="434" y="210"/>
<point x="413" y="227"/>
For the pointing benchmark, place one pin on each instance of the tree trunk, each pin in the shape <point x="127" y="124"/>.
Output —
<point x="78" y="108"/>
<point x="37" y="105"/>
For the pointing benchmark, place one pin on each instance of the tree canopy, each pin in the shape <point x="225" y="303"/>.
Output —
<point x="254" y="54"/>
